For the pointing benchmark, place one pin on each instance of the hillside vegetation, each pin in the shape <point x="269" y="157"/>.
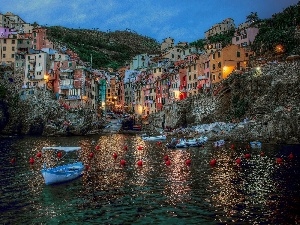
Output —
<point x="108" y="49"/>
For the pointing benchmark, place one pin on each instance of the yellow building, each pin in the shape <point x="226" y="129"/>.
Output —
<point x="227" y="60"/>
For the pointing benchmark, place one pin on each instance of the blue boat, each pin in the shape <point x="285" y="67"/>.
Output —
<point x="255" y="144"/>
<point x="219" y="143"/>
<point x="62" y="173"/>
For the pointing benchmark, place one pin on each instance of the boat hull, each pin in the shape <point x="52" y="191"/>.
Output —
<point x="62" y="173"/>
<point x="155" y="138"/>
<point x="255" y="144"/>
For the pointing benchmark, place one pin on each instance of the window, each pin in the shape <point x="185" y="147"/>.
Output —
<point x="13" y="41"/>
<point x="237" y="38"/>
<point x="189" y="68"/>
<point x="246" y="54"/>
<point x="214" y="77"/>
<point x="213" y="56"/>
<point x="13" y="55"/>
<point x="214" y="66"/>
<point x="195" y="76"/>
<point x="4" y="48"/>
<point x="238" y="54"/>
<point x="172" y="55"/>
<point x="3" y="56"/>
<point x="13" y="48"/>
<point x="219" y="54"/>
<point x="219" y="65"/>
<point x="4" y="41"/>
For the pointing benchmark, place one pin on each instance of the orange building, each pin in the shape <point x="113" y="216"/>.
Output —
<point x="225" y="61"/>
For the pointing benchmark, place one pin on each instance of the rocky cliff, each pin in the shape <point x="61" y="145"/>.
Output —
<point x="37" y="112"/>
<point x="268" y="98"/>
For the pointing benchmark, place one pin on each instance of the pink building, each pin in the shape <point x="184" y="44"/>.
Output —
<point x="40" y="40"/>
<point x="244" y="37"/>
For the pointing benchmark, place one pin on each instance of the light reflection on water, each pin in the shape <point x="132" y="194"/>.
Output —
<point x="257" y="191"/>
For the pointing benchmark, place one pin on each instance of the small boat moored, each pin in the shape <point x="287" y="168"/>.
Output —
<point x="154" y="138"/>
<point x="62" y="173"/>
<point x="219" y="143"/>
<point x="255" y="144"/>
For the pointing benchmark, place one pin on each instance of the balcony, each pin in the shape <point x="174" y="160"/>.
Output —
<point x="73" y="97"/>
<point x="202" y="78"/>
<point x="64" y="87"/>
<point x="34" y="78"/>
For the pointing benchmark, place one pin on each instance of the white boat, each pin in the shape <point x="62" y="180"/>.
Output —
<point x="219" y="143"/>
<point x="154" y="138"/>
<point x="62" y="173"/>
<point x="181" y="144"/>
<point x="194" y="142"/>
<point x="255" y="144"/>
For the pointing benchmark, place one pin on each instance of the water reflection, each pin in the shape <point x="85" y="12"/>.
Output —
<point x="258" y="191"/>
<point x="177" y="187"/>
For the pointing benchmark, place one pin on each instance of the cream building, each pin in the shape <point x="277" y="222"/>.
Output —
<point x="8" y="48"/>
<point x="35" y="70"/>
<point x="219" y="28"/>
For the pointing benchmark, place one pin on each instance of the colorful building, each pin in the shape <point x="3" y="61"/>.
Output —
<point x="229" y="59"/>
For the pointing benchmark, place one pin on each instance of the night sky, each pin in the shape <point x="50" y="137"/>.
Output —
<point x="183" y="20"/>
